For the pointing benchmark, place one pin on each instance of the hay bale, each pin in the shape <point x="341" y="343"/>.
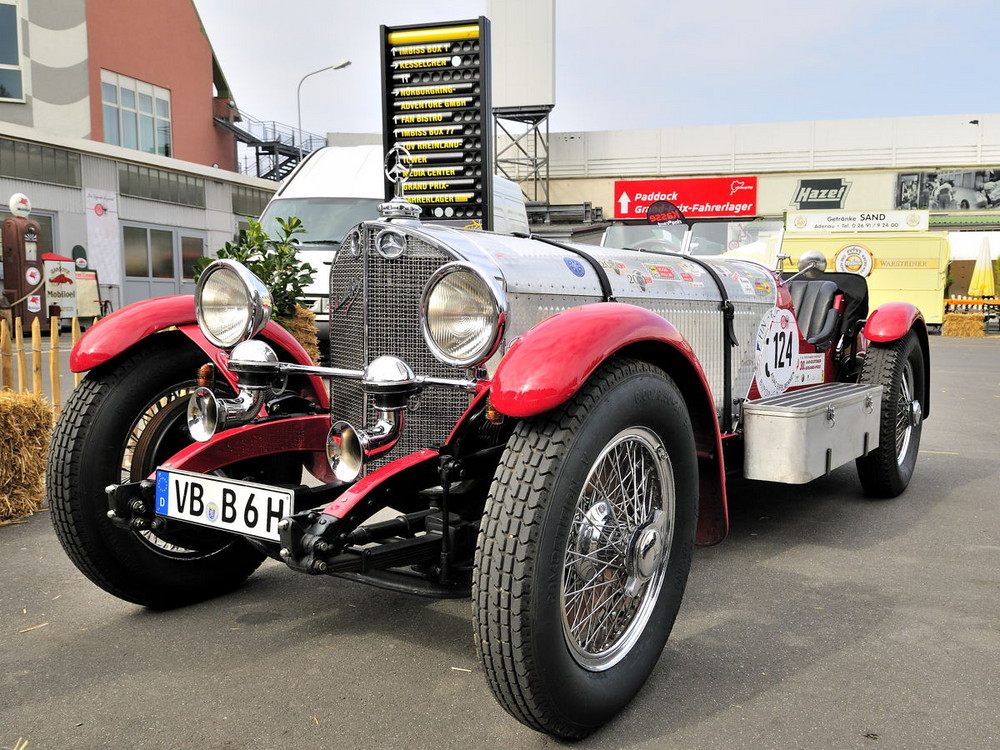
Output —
<point x="964" y="325"/>
<point x="25" y="426"/>
<point x="302" y="326"/>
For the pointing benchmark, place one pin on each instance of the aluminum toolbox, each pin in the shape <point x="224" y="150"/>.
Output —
<point x="795" y="437"/>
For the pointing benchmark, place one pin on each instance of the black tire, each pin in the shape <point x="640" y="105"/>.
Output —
<point x="551" y="529"/>
<point x="899" y="368"/>
<point x="119" y="424"/>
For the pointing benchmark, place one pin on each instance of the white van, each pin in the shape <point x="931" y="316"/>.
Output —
<point x="336" y="187"/>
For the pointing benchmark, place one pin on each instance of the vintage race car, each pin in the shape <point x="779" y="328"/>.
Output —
<point x="548" y="426"/>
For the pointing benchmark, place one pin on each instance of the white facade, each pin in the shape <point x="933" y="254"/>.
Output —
<point x="68" y="211"/>
<point x="584" y="165"/>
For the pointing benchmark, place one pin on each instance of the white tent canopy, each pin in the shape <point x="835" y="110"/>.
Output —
<point x="966" y="245"/>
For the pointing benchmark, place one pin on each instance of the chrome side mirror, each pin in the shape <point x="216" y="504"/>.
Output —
<point x="811" y="260"/>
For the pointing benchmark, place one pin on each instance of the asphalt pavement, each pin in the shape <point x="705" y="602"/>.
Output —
<point x="825" y="620"/>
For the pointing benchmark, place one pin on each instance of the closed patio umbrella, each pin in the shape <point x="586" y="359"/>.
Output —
<point x="983" y="283"/>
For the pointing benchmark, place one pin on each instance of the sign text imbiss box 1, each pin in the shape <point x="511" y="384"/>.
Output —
<point x="700" y="197"/>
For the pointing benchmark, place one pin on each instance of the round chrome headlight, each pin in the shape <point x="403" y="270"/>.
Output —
<point x="232" y="304"/>
<point x="463" y="313"/>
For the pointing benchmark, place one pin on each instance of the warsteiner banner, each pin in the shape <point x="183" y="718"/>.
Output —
<point x="436" y="104"/>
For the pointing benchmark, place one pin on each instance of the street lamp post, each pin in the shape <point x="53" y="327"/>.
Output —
<point x="298" y="96"/>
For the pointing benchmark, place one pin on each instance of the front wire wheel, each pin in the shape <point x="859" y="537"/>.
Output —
<point x="622" y="525"/>
<point x="584" y="550"/>
<point x="121" y="422"/>
<point x="899" y="368"/>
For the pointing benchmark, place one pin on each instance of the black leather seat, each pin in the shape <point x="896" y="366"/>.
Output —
<point x="814" y="311"/>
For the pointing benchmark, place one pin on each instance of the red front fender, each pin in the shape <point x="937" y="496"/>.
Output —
<point x="125" y="328"/>
<point x="547" y="365"/>
<point x="550" y="363"/>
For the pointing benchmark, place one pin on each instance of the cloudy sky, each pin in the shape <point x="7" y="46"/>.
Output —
<point x="639" y="63"/>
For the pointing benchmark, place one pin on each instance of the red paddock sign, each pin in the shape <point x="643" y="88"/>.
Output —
<point x="696" y="198"/>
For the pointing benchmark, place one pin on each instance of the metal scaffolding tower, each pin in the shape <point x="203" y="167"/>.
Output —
<point x="523" y="156"/>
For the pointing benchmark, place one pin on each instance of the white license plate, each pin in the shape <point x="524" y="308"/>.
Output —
<point x="226" y="504"/>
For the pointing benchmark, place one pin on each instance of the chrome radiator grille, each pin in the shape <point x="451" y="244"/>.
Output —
<point x="375" y="310"/>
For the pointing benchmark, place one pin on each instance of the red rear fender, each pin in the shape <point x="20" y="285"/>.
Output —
<point x="892" y="321"/>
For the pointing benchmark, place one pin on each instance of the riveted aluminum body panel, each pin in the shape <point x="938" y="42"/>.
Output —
<point x="797" y="436"/>
<point x="374" y="304"/>
<point x="542" y="279"/>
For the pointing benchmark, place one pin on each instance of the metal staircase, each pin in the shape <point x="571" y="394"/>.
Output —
<point x="268" y="149"/>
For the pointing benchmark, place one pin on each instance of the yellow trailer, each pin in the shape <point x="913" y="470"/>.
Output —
<point x="901" y="266"/>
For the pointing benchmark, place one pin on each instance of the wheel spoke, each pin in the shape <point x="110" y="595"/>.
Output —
<point x="904" y="412"/>
<point x="606" y="598"/>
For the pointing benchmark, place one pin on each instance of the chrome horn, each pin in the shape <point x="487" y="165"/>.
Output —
<point x="256" y="365"/>
<point x="390" y="382"/>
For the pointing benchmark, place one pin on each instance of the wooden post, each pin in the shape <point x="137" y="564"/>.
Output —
<point x="22" y="369"/>
<point x="6" y="358"/>
<point x="74" y="337"/>
<point x="36" y="357"/>
<point x="54" y="353"/>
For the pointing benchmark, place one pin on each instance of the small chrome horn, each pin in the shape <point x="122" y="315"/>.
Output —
<point x="256" y="365"/>
<point x="390" y="382"/>
<point x="207" y="414"/>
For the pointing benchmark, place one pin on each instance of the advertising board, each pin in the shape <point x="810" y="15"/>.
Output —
<point x="857" y="221"/>
<point x="695" y="198"/>
<point x="436" y="105"/>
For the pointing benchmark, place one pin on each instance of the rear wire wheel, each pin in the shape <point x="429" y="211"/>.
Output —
<point x="584" y="550"/>
<point x="899" y="368"/>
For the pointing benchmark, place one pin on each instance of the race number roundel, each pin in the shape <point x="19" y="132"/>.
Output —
<point x="777" y="351"/>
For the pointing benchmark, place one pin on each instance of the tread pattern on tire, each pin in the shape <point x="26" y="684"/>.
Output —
<point x="64" y="453"/>
<point x="92" y="550"/>
<point x="883" y="365"/>
<point x="513" y="516"/>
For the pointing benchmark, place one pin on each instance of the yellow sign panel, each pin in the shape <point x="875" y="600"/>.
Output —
<point x="441" y="198"/>
<point x="436" y="105"/>
<point x="424" y="36"/>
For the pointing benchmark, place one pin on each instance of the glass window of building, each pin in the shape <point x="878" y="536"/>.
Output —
<point x="136" y="114"/>
<point x="192" y="248"/>
<point x="46" y="222"/>
<point x="11" y="80"/>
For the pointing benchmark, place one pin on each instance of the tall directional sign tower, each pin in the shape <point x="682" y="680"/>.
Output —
<point x="436" y="105"/>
